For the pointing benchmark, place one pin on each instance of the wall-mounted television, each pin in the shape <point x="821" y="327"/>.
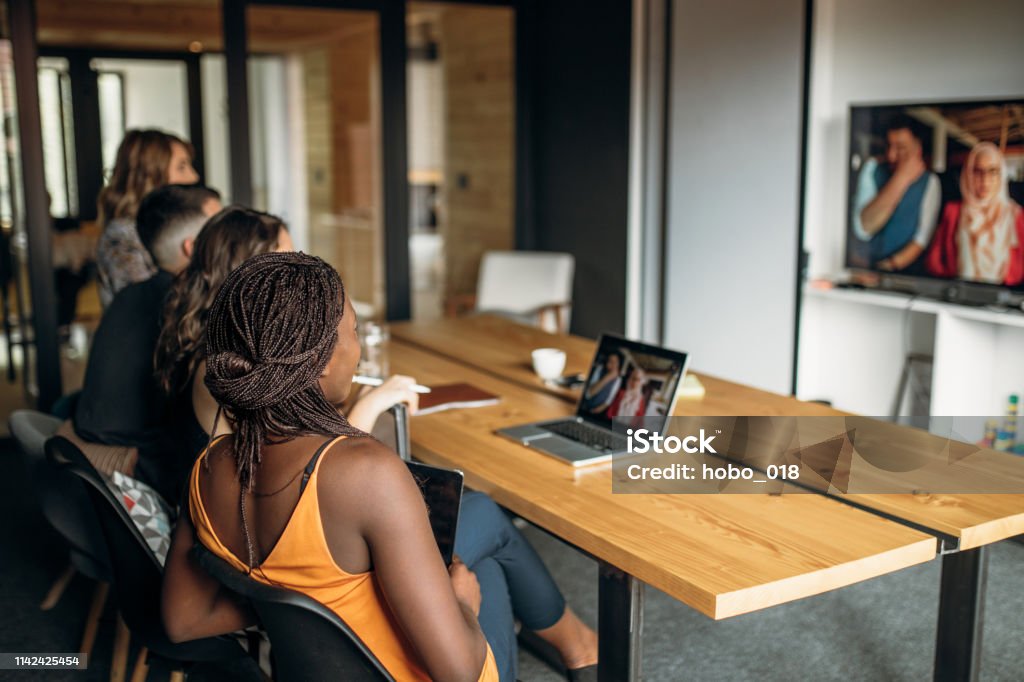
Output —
<point x="935" y="194"/>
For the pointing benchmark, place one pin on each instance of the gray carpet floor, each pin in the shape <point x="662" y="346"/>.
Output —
<point x="882" y="629"/>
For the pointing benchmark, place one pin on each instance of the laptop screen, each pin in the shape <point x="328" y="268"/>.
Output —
<point x="630" y="380"/>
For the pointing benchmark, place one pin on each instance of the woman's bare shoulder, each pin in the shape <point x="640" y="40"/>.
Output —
<point x="362" y="468"/>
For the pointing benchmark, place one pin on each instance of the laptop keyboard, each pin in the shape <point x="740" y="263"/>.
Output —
<point x="584" y="433"/>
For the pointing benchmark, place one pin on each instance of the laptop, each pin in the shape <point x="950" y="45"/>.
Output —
<point x="627" y="379"/>
<point x="442" y="492"/>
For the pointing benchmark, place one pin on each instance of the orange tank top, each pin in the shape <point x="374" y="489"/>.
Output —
<point x="302" y="561"/>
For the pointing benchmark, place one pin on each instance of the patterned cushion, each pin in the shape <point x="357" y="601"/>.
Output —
<point x="148" y="510"/>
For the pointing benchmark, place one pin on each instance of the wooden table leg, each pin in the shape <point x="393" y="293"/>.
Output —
<point x="620" y="625"/>
<point x="57" y="589"/>
<point x="122" y="641"/>
<point x="141" y="666"/>
<point x="92" y="621"/>
<point x="961" y="614"/>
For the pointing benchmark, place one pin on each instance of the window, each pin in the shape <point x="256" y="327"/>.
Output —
<point x="110" y="88"/>
<point x="55" y="117"/>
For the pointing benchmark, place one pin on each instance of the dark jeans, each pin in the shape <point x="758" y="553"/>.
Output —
<point x="514" y="582"/>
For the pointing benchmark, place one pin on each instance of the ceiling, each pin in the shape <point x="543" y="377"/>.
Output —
<point x="189" y="25"/>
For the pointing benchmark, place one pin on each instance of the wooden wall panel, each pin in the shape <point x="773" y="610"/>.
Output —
<point x="477" y="54"/>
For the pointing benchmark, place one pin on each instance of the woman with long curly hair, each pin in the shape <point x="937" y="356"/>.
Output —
<point x="146" y="160"/>
<point x="228" y="239"/>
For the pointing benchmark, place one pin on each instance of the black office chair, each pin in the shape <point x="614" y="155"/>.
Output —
<point x="392" y="429"/>
<point x="308" y="641"/>
<point x="66" y="507"/>
<point x="137" y="575"/>
<point x="62" y="501"/>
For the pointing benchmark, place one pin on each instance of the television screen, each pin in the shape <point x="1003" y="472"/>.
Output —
<point x="935" y="190"/>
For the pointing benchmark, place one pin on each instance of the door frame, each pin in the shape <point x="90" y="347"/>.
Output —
<point x="21" y="18"/>
<point x="393" y="151"/>
<point x="394" y="124"/>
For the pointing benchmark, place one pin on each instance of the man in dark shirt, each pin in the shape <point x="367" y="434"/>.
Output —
<point x="120" y="403"/>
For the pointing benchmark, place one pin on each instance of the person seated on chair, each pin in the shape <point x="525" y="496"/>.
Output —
<point x="228" y="240"/>
<point x="120" y="403"/>
<point x="146" y="160"/>
<point x="281" y="351"/>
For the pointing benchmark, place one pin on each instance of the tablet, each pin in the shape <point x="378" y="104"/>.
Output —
<point x="442" y="491"/>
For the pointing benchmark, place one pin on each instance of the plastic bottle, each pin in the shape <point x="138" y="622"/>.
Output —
<point x="991" y="433"/>
<point x="1007" y="439"/>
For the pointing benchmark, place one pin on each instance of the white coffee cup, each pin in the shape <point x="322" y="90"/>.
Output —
<point x="548" y="363"/>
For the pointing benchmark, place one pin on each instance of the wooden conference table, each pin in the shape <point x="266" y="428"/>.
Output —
<point x="962" y="525"/>
<point x="721" y="555"/>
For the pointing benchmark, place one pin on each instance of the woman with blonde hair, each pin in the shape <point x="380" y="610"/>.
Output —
<point x="146" y="160"/>
<point x="981" y="237"/>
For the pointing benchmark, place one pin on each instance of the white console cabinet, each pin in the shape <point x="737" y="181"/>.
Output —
<point x="853" y="343"/>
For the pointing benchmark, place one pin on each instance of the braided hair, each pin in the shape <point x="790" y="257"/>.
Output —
<point x="271" y="332"/>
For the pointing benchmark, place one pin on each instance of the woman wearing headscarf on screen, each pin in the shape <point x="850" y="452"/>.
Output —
<point x="981" y="237"/>
<point x="631" y="402"/>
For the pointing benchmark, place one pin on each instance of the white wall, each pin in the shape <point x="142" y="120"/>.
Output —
<point x="733" y="187"/>
<point x="882" y="51"/>
<point x="155" y="93"/>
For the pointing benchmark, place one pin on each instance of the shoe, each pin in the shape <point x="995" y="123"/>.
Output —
<point x="587" y="673"/>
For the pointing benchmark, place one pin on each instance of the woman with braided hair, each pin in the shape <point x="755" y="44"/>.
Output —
<point x="230" y="238"/>
<point x="298" y="497"/>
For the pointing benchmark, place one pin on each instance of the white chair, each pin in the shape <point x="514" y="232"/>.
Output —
<point x="534" y="287"/>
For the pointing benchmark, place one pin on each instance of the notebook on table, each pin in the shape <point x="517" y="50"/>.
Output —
<point x="454" y="396"/>
<point x="442" y="492"/>
<point x="628" y="380"/>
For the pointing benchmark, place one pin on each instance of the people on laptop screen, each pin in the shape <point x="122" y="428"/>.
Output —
<point x="629" y="385"/>
<point x="603" y="384"/>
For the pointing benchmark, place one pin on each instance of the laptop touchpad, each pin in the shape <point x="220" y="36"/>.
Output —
<point x="526" y="433"/>
<point x="558" y="445"/>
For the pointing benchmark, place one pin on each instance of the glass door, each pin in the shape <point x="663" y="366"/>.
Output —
<point x="461" y="94"/>
<point x="314" y="85"/>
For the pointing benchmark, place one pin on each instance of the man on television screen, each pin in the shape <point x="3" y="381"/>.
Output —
<point x="897" y="203"/>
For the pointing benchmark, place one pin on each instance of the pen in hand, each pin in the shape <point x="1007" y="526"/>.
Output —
<point x="375" y="381"/>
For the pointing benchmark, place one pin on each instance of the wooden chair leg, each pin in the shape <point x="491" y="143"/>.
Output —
<point x="57" y="589"/>
<point x="178" y="676"/>
<point x="92" y="622"/>
<point x="141" y="666"/>
<point x="122" y="640"/>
